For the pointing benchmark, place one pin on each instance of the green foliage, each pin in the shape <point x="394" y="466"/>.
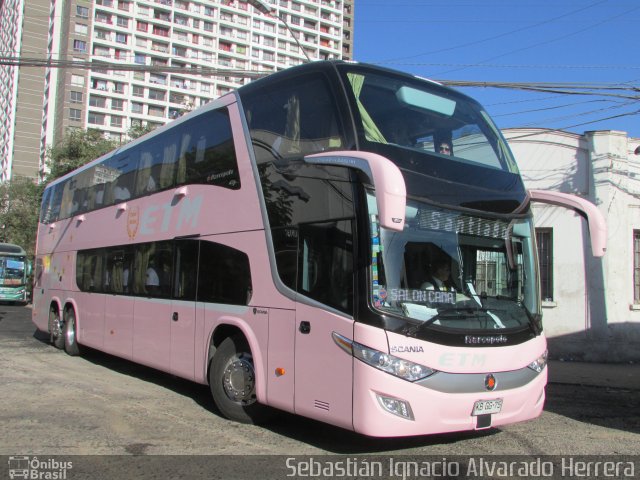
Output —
<point x="77" y="148"/>
<point x="139" y="130"/>
<point x="19" y="210"/>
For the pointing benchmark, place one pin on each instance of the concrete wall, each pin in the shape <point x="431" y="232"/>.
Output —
<point x="593" y="315"/>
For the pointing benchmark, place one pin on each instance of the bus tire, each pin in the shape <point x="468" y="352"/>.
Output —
<point x="70" y="333"/>
<point x="55" y="328"/>
<point x="232" y="382"/>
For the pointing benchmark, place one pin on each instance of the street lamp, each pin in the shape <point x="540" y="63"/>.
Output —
<point x="265" y="9"/>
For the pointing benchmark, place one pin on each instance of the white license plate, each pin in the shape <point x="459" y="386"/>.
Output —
<point x="485" y="407"/>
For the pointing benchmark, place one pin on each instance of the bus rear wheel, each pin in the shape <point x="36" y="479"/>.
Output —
<point x="232" y="382"/>
<point x="55" y="328"/>
<point x="70" y="340"/>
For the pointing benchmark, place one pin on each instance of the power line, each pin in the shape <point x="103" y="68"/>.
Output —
<point x="495" y="37"/>
<point x="546" y="42"/>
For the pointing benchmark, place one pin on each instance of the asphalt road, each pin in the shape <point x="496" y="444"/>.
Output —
<point x="57" y="405"/>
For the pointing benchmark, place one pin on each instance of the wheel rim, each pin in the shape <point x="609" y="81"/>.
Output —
<point x="56" y="327"/>
<point x="238" y="380"/>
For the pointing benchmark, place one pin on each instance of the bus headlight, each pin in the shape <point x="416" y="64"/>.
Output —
<point x="383" y="361"/>
<point x="539" y="363"/>
<point x="391" y="364"/>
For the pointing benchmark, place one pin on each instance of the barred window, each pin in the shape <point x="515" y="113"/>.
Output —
<point x="636" y="266"/>
<point x="544" y="238"/>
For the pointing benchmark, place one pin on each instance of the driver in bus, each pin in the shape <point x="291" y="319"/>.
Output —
<point x="439" y="277"/>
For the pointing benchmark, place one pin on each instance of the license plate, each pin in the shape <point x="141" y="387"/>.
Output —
<point x="486" y="407"/>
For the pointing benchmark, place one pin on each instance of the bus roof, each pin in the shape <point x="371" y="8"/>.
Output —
<point x="11" y="249"/>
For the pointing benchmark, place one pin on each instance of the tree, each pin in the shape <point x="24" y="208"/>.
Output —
<point x="138" y="130"/>
<point x="19" y="210"/>
<point x="77" y="148"/>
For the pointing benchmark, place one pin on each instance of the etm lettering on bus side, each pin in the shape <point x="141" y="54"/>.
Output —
<point x="159" y="218"/>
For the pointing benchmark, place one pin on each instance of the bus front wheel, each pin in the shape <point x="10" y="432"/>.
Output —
<point x="232" y="382"/>
<point x="69" y="330"/>
<point x="55" y="328"/>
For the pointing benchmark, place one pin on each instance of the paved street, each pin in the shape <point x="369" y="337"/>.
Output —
<point x="54" y="404"/>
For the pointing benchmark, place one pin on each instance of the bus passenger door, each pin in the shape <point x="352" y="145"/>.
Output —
<point x="324" y="372"/>
<point x="183" y="311"/>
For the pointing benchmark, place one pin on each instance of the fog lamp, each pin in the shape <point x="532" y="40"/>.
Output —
<point x="395" y="406"/>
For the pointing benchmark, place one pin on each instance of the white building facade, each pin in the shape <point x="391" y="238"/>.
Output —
<point x="591" y="306"/>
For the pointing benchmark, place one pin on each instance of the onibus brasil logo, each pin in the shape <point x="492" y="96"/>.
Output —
<point x="33" y="468"/>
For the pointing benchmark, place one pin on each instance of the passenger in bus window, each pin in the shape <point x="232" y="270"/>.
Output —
<point x="444" y="148"/>
<point x="121" y="193"/>
<point x="152" y="280"/>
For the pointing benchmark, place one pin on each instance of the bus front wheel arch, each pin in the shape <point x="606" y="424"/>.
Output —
<point x="232" y="382"/>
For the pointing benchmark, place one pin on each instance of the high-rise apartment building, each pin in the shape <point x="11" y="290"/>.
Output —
<point x="23" y="34"/>
<point x="147" y="57"/>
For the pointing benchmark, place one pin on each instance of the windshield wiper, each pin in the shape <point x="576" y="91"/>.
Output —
<point x="455" y="313"/>
<point x="443" y="314"/>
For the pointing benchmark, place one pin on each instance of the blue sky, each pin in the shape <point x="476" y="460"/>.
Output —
<point x="591" y="43"/>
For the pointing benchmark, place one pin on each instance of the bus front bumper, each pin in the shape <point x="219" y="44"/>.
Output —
<point x="386" y="406"/>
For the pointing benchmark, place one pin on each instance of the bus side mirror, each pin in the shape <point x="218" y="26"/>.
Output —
<point x="595" y="219"/>
<point x="391" y="191"/>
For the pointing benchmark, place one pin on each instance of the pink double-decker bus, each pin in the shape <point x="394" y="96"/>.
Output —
<point x="336" y="240"/>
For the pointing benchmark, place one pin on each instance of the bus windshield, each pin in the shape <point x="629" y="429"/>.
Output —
<point x="454" y="270"/>
<point x="12" y="270"/>
<point x="425" y="118"/>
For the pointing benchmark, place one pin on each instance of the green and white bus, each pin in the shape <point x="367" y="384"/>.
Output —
<point x="15" y="270"/>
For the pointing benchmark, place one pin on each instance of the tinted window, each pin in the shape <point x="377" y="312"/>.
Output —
<point x="224" y="275"/>
<point x="156" y="170"/>
<point x="90" y="270"/>
<point x="185" y="268"/>
<point x="207" y="153"/>
<point x="119" y="269"/>
<point x="200" y="150"/>
<point x="293" y="118"/>
<point x="120" y="171"/>
<point x="325" y="256"/>
<point x="152" y="269"/>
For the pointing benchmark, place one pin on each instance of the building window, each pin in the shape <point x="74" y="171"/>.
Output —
<point x="117" y="104"/>
<point x="156" y="94"/>
<point x="79" y="46"/>
<point x="96" y="118"/>
<point x="81" y="29"/>
<point x="82" y="12"/>
<point x="636" y="266"/>
<point x="76" y="97"/>
<point x="75" y="114"/>
<point x="116" y="121"/>
<point x="77" y="80"/>
<point x="544" y="238"/>
<point x="99" y="102"/>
